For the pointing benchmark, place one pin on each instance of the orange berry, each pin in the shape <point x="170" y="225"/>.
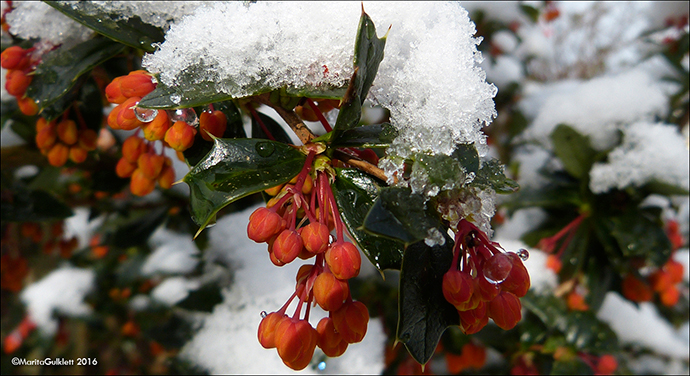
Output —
<point x="351" y="321"/>
<point x="14" y="57"/>
<point x="16" y="82"/>
<point x="576" y="302"/>
<point x="136" y="84"/>
<point x="151" y="165"/>
<point x="126" y="118"/>
<point x="99" y="251"/>
<point x="267" y="329"/>
<point x="263" y="224"/>
<point x="505" y="310"/>
<point x="315" y="237"/>
<point x="125" y="168"/>
<point x="156" y="129"/>
<point x="27" y="106"/>
<point x="295" y="340"/>
<point x="330" y="292"/>
<point x="636" y="290"/>
<point x="344" y="260"/>
<point x="88" y="139"/>
<point x="58" y="154"/>
<point x="67" y="131"/>
<point x="606" y="365"/>
<point x="670" y="296"/>
<point x="554" y="263"/>
<point x="132" y="148"/>
<point x="113" y="93"/>
<point x="140" y="185"/>
<point x="77" y="154"/>
<point x="180" y="136"/>
<point x="167" y="176"/>
<point x="329" y="340"/>
<point x="46" y="137"/>
<point x="212" y="122"/>
<point x="130" y="329"/>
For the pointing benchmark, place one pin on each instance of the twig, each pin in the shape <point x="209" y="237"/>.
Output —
<point x="290" y="118"/>
<point x="362" y="165"/>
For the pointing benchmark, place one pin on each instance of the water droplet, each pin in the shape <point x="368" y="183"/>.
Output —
<point x="321" y="366"/>
<point x="184" y="114"/>
<point x="175" y="98"/>
<point x="145" y="115"/>
<point x="265" y="149"/>
<point x="331" y="238"/>
<point x="145" y="41"/>
<point x="263" y="314"/>
<point x="523" y="254"/>
<point x="497" y="268"/>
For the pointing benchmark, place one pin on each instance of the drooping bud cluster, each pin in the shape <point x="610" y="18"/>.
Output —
<point x="144" y="166"/>
<point x="309" y="199"/>
<point x="64" y="140"/>
<point x="484" y="281"/>
<point x="663" y="282"/>
<point x="19" y="64"/>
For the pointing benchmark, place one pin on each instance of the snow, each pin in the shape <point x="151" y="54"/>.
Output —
<point x="36" y="19"/>
<point x="173" y="253"/>
<point x="160" y="13"/>
<point x="62" y="291"/>
<point x="227" y="341"/>
<point x="173" y="290"/>
<point x="598" y="107"/>
<point x="646" y="147"/>
<point x="642" y="326"/>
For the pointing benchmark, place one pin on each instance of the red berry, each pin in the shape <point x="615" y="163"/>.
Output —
<point x="180" y="136"/>
<point x="505" y="310"/>
<point x="351" y="321"/>
<point x="14" y="57"/>
<point x="329" y="340"/>
<point x="636" y="290"/>
<point x="136" y="84"/>
<point x="296" y="341"/>
<point x="287" y="246"/>
<point x="126" y="118"/>
<point x="457" y="287"/>
<point x="518" y="281"/>
<point x="344" y="260"/>
<point x="16" y="82"/>
<point x="263" y="224"/>
<point x="606" y="365"/>
<point x="267" y="329"/>
<point x="113" y="93"/>
<point x="473" y="320"/>
<point x="315" y="237"/>
<point x="330" y="292"/>
<point x="212" y="122"/>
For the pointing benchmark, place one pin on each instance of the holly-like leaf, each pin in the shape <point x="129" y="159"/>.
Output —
<point x="355" y="193"/>
<point x="639" y="233"/>
<point x="662" y="188"/>
<point x="549" y="196"/>
<point x="423" y="312"/>
<point x="574" y="151"/>
<point x="367" y="136"/>
<point x="368" y="56"/>
<point x="235" y="168"/>
<point x="276" y="130"/>
<point x="33" y="205"/>
<point x="492" y="175"/>
<point x="400" y="215"/>
<point x="132" y="31"/>
<point x="61" y="68"/>
<point x="188" y="93"/>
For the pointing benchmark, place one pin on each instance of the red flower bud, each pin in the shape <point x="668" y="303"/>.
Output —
<point x="136" y="84"/>
<point x="113" y="93"/>
<point x="267" y="329"/>
<point x="263" y="224"/>
<point x="67" y="132"/>
<point x="315" y="237"/>
<point x="518" y="281"/>
<point x="344" y="260"/>
<point x="330" y="292"/>
<point x="16" y="82"/>
<point x="132" y="148"/>
<point x="151" y="165"/>
<point x="141" y="185"/>
<point x="329" y="340"/>
<point x="636" y="290"/>
<point x="473" y="320"/>
<point x="296" y="341"/>
<point x="287" y="246"/>
<point x="126" y="118"/>
<point x="180" y="136"/>
<point x="156" y="129"/>
<point x="351" y="321"/>
<point x="457" y="287"/>
<point x="14" y="57"/>
<point x="505" y="310"/>
<point x="58" y="154"/>
<point x="212" y="122"/>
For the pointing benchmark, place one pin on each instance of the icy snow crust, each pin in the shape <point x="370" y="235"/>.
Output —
<point x="157" y="13"/>
<point x="36" y="19"/>
<point x="429" y="78"/>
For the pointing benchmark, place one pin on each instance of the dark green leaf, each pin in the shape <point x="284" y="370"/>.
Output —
<point x="530" y="11"/>
<point x="137" y="231"/>
<point x="367" y="136"/>
<point x="548" y="196"/>
<point x="33" y="205"/>
<point x="640" y="234"/>
<point x="188" y="93"/>
<point x="59" y="70"/>
<point x="203" y="299"/>
<point x="106" y="180"/>
<point x="130" y="31"/>
<point x="574" y="151"/>
<point x="467" y="156"/>
<point x="491" y="175"/>
<point x="440" y="172"/>
<point x="665" y="189"/>
<point x="424" y="312"/>
<point x="236" y="168"/>
<point x="368" y="56"/>
<point x="273" y="127"/>
<point x="401" y="215"/>
<point x="355" y="193"/>
<point x="574" y="366"/>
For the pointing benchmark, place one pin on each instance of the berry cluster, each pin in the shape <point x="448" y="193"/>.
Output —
<point x="484" y="282"/>
<point x="63" y="140"/>
<point x="139" y="159"/>
<point x="19" y="64"/>
<point x="309" y="199"/>
<point x="144" y="166"/>
<point x="663" y="281"/>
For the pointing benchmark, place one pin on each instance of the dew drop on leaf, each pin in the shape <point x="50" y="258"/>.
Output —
<point x="145" y="115"/>
<point x="184" y="114"/>
<point x="265" y="149"/>
<point x="175" y="98"/>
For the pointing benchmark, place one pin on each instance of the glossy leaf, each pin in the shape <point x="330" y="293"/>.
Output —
<point x="61" y="68"/>
<point x="423" y="312"/>
<point x="548" y="196"/>
<point x="129" y="31"/>
<point x="355" y="193"/>
<point x="188" y="93"/>
<point x="367" y="136"/>
<point x="574" y="151"/>
<point x="235" y="168"/>
<point x="467" y="156"/>
<point x="401" y="215"/>
<point x="33" y="205"/>
<point x="138" y="230"/>
<point x="491" y="175"/>
<point x="368" y="56"/>
<point x="665" y="189"/>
